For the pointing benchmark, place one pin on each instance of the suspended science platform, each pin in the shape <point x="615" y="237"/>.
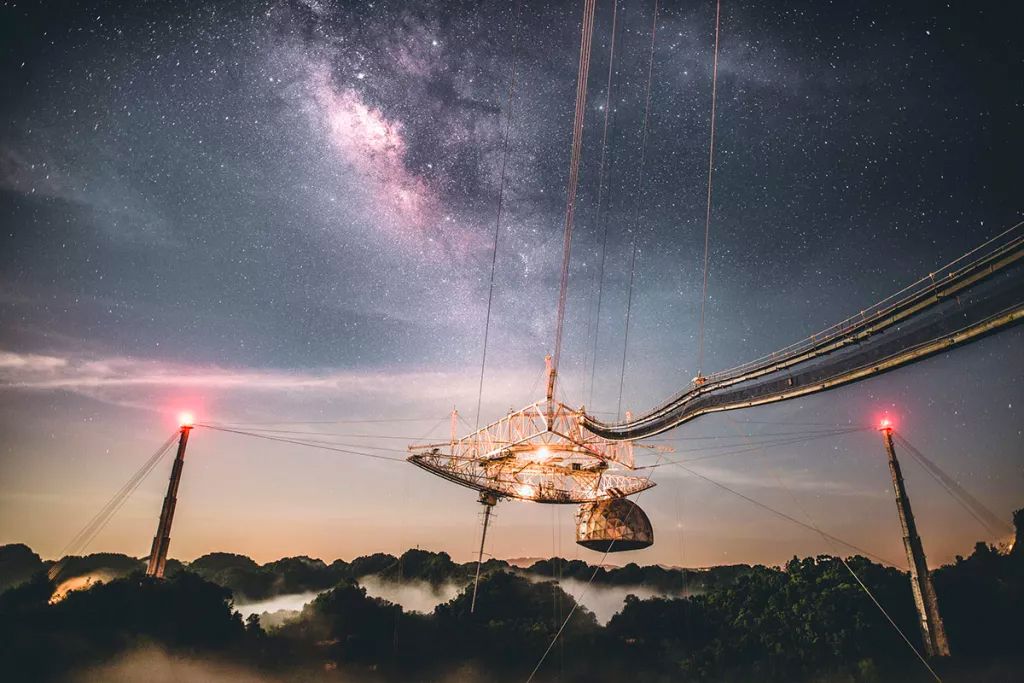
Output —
<point x="543" y="454"/>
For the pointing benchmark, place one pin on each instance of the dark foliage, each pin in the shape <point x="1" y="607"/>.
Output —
<point x="246" y="579"/>
<point x="513" y="615"/>
<point x="371" y="564"/>
<point x="982" y="602"/>
<point x="40" y="640"/>
<point x="812" y="617"/>
<point x="653" y="576"/>
<point x="113" y="564"/>
<point x="349" y="625"/>
<point x="250" y="581"/>
<point x="302" y="574"/>
<point x="17" y="565"/>
<point x="808" y="621"/>
<point x="423" y="565"/>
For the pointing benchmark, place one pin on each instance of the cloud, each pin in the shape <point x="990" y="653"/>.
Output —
<point x="29" y="363"/>
<point x="413" y="596"/>
<point x="44" y="372"/>
<point x="290" y="603"/>
<point x="607" y="601"/>
<point x="148" y="384"/>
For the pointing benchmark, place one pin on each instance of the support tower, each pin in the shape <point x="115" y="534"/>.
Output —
<point x="933" y="632"/>
<point x="162" y="540"/>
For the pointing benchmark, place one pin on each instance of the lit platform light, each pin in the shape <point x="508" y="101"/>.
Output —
<point x="540" y="453"/>
<point x="544" y="454"/>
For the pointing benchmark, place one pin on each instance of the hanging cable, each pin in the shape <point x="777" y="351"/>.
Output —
<point x="81" y="540"/>
<point x="501" y="198"/>
<point x="802" y="432"/>
<point x="603" y="172"/>
<point x="639" y="204"/>
<point x="587" y="33"/>
<point x="299" y="442"/>
<point x="332" y="422"/>
<point x="748" y="449"/>
<point x="988" y="519"/>
<point x="331" y="434"/>
<point x="625" y="336"/>
<point x="707" y="219"/>
<point x="583" y="592"/>
<point x="788" y="518"/>
<point x="856" y="578"/>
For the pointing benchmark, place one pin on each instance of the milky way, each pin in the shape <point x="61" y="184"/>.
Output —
<point x="286" y="210"/>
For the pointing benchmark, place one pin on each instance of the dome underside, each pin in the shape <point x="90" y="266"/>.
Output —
<point x="614" y="525"/>
<point x="539" y="454"/>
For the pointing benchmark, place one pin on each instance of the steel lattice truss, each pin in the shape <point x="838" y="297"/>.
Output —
<point x="540" y="453"/>
<point x="938" y="312"/>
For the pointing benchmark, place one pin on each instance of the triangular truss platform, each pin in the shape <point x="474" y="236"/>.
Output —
<point x="541" y="453"/>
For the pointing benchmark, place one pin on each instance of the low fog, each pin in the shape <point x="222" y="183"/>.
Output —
<point x="293" y="602"/>
<point x="413" y="596"/>
<point x="607" y="601"/>
<point x="82" y="582"/>
<point x="420" y="596"/>
<point x="156" y="665"/>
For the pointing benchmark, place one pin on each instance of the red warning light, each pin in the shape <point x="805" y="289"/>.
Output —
<point x="885" y="425"/>
<point x="186" y="419"/>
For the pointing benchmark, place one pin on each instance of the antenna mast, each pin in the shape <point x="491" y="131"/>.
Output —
<point x="162" y="540"/>
<point x="933" y="632"/>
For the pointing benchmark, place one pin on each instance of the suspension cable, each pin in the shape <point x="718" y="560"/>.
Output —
<point x="593" y="575"/>
<point x="783" y="515"/>
<point x="625" y="335"/>
<point x="849" y="568"/>
<point x="857" y="578"/>
<point x="587" y="33"/>
<point x="337" y="435"/>
<point x="707" y="218"/>
<point x="299" y="442"/>
<point x="639" y="204"/>
<point x="329" y="422"/>
<point x="988" y="519"/>
<point x="756" y="445"/>
<point x="601" y="184"/>
<point x="716" y="437"/>
<point x="501" y="197"/>
<point x="81" y="540"/>
<point x="583" y="592"/>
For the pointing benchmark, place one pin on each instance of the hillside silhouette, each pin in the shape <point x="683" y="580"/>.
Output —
<point x="806" y="621"/>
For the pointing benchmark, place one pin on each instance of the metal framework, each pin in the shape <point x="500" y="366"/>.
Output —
<point x="933" y="631"/>
<point x="162" y="539"/>
<point x="540" y="453"/>
<point x="934" y="314"/>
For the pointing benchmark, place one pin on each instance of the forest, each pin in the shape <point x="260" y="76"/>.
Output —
<point x="809" y="620"/>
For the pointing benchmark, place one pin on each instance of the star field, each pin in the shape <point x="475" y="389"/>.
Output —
<point x="285" y="210"/>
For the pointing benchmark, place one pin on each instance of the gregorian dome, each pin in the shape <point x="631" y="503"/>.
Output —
<point x="613" y="525"/>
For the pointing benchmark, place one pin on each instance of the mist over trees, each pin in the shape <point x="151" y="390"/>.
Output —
<point x="807" y="621"/>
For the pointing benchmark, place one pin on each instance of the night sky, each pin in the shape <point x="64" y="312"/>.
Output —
<point x="283" y="212"/>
